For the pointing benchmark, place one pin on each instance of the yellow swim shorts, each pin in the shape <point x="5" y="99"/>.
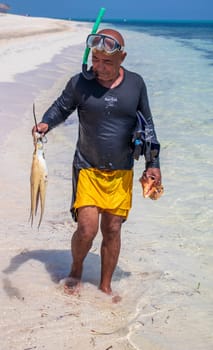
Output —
<point x="111" y="191"/>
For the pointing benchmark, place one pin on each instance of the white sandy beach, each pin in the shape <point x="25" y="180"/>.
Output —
<point x="162" y="279"/>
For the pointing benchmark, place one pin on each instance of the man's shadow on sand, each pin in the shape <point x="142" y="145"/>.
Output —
<point x="57" y="263"/>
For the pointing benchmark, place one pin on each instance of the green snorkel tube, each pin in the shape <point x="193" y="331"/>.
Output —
<point x="88" y="74"/>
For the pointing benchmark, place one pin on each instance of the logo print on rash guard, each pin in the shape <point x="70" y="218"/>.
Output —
<point x="110" y="101"/>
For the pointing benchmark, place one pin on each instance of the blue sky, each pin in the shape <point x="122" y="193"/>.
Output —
<point x="119" y="9"/>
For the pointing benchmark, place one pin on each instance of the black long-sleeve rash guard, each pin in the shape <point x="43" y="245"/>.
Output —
<point x="107" y="119"/>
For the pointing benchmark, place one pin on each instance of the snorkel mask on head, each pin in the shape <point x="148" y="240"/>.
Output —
<point x="89" y="74"/>
<point x="103" y="42"/>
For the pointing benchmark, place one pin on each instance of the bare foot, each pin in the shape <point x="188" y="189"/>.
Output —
<point x="72" y="286"/>
<point x="106" y="290"/>
<point x="115" y="297"/>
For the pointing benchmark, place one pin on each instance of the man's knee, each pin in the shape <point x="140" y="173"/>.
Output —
<point x="87" y="223"/>
<point x="86" y="232"/>
<point x="111" y="226"/>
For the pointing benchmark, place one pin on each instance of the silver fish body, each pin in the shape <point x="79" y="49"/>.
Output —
<point x="38" y="179"/>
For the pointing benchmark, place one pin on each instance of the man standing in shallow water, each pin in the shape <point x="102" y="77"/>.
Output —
<point x="103" y="160"/>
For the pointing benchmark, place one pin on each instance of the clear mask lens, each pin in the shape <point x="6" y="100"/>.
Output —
<point x="103" y="42"/>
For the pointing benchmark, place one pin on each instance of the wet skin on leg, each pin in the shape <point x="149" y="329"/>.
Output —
<point x="110" y="248"/>
<point x="88" y="222"/>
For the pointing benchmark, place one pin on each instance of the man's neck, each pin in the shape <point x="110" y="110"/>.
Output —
<point x="110" y="84"/>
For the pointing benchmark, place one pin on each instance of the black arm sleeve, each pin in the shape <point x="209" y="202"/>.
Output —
<point x="61" y="108"/>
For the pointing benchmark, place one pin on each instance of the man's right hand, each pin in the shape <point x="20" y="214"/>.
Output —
<point x="42" y="128"/>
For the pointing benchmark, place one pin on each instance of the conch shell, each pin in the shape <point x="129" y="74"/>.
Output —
<point x="149" y="188"/>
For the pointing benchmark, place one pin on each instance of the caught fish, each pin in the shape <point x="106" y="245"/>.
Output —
<point x="38" y="178"/>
